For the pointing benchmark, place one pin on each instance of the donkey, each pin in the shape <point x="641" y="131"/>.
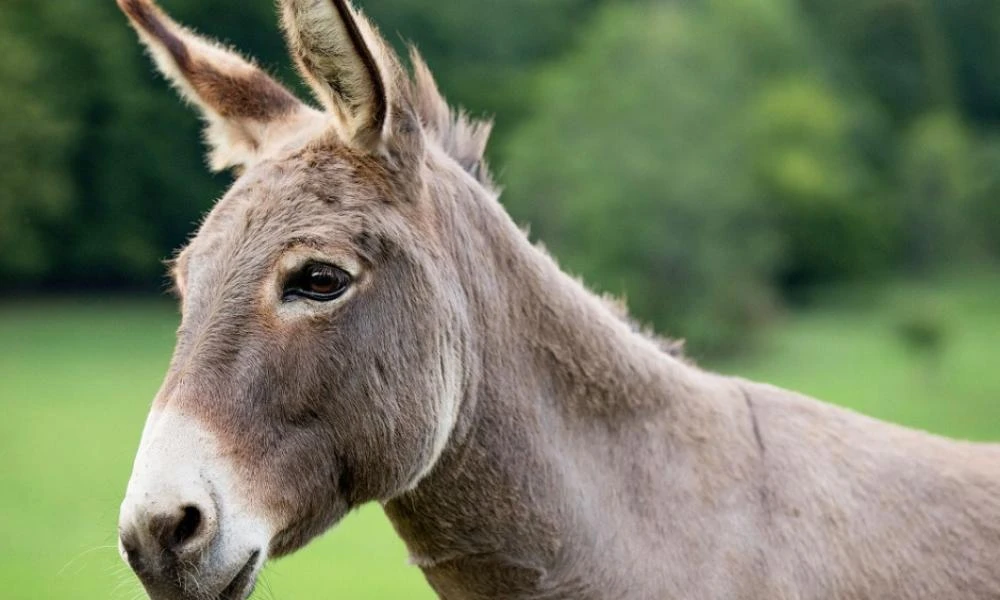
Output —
<point x="362" y="321"/>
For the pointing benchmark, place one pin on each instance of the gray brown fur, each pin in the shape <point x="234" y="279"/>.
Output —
<point x="585" y="462"/>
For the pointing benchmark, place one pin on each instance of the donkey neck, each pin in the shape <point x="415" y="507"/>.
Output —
<point x="593" y="360"/>
<point x="562" y="399"/>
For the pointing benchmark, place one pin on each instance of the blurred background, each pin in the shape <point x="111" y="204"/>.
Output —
<point x="807" y="191"/>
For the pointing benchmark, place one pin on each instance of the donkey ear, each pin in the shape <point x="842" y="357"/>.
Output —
<point x="246" y="111"/>
<point x="351" y="68"/>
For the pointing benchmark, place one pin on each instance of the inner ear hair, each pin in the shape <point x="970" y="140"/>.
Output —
<point x="347" y="63"/>
<point x="241" y="103"/>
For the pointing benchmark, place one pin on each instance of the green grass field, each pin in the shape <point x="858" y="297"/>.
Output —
<point x="76" y="378"/>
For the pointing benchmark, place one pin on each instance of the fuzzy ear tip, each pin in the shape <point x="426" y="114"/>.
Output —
<point x="142" y="13"/>
<point x="134" y="9"/>
<point x="145" y="15"/>
<point x="156" y="27"/>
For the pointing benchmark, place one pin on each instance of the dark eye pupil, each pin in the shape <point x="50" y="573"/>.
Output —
<point x="322" y="281"/>
<point x="319" y="282"/>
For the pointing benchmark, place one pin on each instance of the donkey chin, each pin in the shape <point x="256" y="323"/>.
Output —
<point x="185" y="527"/>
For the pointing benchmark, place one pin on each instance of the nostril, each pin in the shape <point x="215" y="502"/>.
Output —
<point x="188" y="527"/>
<point x="180" y="530"/>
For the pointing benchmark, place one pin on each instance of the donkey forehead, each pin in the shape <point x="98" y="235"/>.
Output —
<point x="323" y="197"/>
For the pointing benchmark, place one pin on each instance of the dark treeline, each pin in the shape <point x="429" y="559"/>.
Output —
<point x="704" y="158"/>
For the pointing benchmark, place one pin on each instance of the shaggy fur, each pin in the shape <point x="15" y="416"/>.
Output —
<point x="524" y="438"/>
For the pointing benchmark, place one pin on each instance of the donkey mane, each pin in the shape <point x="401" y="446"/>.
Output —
<point x="464" y="139"/>
<point x="670" y="346"/>
<point x="461" y="136"/>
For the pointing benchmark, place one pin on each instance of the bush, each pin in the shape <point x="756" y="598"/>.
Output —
<point x="814" y="181"/>
<point x="937" y="174"/>
<point x="634" y="171"/>
<point x="35" y="192"/>
<point x="986" y="196"/>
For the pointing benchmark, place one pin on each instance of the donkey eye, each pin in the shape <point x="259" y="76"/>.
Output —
<point x="317" y="281"/>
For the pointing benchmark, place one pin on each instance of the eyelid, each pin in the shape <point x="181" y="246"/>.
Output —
<point x="297" y="258"/>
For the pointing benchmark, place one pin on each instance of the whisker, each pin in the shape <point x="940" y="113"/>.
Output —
<point x="81" y="555"/>
<point x="265" y="587"/>
<point x="123" y="586"/>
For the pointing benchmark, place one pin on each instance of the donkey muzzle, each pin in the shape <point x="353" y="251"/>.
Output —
<point x="184" y="528"/>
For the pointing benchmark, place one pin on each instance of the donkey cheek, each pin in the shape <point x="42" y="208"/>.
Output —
<point x="306" y="507"/>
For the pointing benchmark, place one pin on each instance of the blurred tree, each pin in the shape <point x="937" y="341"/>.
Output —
<point x="105" y="173"/>
<point x="696" y="154"/>
<point x="35" y="192"/>
<point x="972" y="28"/>
<point x="986" y="209"/>
<point x="129" y="192"/>
<point x="482" y="51"/>
<point x="635" y="170"/>
<point x="815" y="182"/>
<point x="936" y="192"/>
<point x="896" y="49"/>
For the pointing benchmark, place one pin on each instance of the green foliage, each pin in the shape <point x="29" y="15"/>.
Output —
<point x="937" y="171"/>
<point x="971" y="29"/>
<point x="104" y="175"/>
<point x="812" y="178"/>
<point x="897" y="51"/>
<point x="704" y="157"/>
<point x="102" y="143"/>
<point x="986" y="202"/>
<point x="482" y="51"/>
<point x="673" y="170"/>
<point x="35" y="192"/>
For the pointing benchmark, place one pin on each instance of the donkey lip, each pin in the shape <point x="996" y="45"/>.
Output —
<point x="242" y="583"/>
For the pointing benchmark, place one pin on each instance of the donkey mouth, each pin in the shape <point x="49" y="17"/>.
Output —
<point x="243" y="582"/>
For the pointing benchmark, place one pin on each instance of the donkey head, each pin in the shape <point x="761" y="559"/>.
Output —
<point x="319" y="358"/>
